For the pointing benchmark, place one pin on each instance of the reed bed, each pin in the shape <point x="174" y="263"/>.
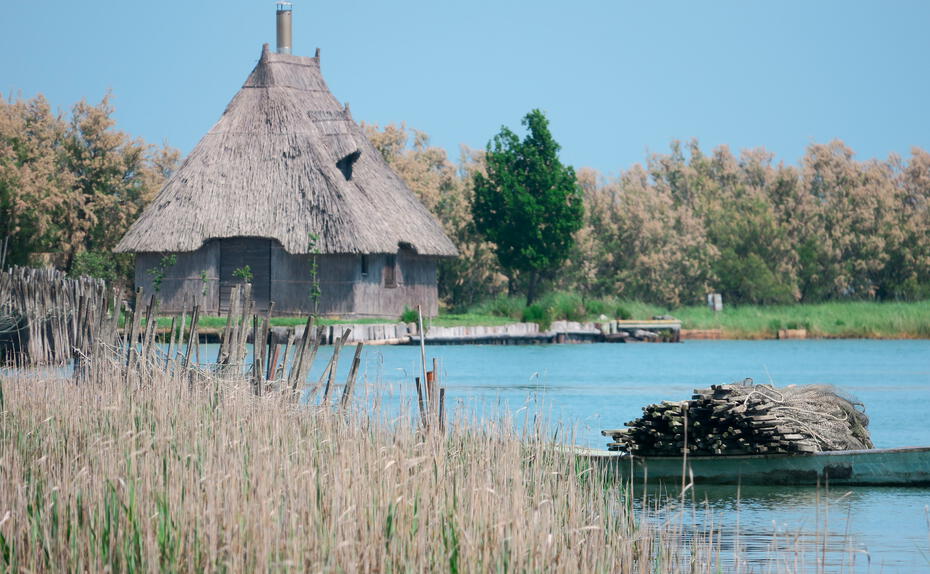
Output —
<point x="142" y="471"/>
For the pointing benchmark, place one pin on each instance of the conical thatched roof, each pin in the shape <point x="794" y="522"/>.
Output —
<point x="286" y="161"/>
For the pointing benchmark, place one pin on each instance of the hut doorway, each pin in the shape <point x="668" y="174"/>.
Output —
<point x="238" y="252"/>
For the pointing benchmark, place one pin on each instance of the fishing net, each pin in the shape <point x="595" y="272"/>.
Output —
<point x="823" y="414"/>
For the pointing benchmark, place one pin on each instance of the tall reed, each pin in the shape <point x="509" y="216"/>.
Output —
<point x="146" y="473"/>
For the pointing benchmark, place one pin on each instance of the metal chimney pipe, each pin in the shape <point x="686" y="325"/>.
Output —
<point x="284" y="10"/>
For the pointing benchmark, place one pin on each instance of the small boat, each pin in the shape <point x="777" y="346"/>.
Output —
<point x="908" y="466"/>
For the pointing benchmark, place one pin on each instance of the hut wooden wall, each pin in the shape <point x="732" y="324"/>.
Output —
<point x="291" y="283"/>
<point x="344" y="290"/>
<point x="183" y="283"/>
<point x="416" y="285"/>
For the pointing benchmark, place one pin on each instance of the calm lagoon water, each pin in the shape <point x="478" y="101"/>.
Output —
<point x="582" y="389"/>
<point x="592" y="387"/>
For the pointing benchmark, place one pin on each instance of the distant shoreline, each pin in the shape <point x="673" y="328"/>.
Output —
<point x="847" y="320"/>
<point x="723" y="335"/>
<point x="397" y="333"/>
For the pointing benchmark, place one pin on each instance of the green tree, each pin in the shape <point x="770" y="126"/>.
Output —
<point x="528" y="204"/>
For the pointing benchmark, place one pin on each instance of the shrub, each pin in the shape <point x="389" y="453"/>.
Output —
<point x="94" y="264"/>
<point x="567" y="306"/>
<point x="409" y="315"/>
<point x="538" y="313"/>
<point x="159" y="272"/>
<point x="502" y="306"/>
<point x="243" y="273"/>
<point x="597" y="307"/>
<point x="623" y="313"/>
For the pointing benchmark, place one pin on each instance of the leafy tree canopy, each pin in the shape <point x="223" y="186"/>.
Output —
<point x="527" y="203"/>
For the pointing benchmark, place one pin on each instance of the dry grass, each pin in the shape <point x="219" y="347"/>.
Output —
<point x="140" y="473"/>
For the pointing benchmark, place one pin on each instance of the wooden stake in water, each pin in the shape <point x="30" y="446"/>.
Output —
<point x="334" y="364"/>
<point x="256" y="358"/>
<point x="248" y="304"/>
<point x="442" y="409"/>
<point x="170" y="342"/>
<point x="148" y="336"/>
<point x="191" y="341"/>
<point x="279" y="371"/>
<point x="309" y="345"/>
<point x="424" y="420"/>
<point x="422" y="346"/>
<point x="433" y="391"/>
<point x="274" y="356"/>
<point x="353" y="372"/>
<point x="223" y="354"/>
<point x="133" y="327"/>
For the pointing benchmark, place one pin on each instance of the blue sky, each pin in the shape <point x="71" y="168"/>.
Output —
<point x="618" y="79"/>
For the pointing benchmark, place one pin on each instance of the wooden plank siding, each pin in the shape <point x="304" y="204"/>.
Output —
<point x="183" y="282"/>
<point x="237" y="253"/>
<point x="345" y="290"/>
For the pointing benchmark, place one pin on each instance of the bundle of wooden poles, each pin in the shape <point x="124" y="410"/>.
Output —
<point x="743" y="418"/>
<point x="46" y="317"/>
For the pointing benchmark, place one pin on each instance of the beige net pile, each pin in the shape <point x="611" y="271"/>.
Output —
<point x="746" y="418"/>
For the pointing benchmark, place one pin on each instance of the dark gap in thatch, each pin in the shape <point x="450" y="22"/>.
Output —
<point x="286" y="161"/>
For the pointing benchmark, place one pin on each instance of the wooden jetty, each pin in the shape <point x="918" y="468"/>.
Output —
<point x="908" y="466"/>
<point x="559" y="332"/>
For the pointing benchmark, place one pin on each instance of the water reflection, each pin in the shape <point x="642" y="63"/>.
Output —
<point x="802" y="529"/>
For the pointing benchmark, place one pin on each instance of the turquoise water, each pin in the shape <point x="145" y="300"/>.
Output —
<point x="599" y="386"/>
<point x="591" y="387"/>
<point x="587" y="388"/>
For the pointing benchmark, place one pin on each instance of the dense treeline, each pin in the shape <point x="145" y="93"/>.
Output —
<point x="687" y="223"/>
<point x="71" y="185"/>
<point x="683" y="224"/>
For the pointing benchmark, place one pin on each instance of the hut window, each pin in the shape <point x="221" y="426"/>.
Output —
<point x="364" y="266"/>
<point x="390" y="271"/>
<point x="345" y="164"/>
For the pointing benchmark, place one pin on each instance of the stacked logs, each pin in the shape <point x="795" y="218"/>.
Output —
<point x="741" y="418"/>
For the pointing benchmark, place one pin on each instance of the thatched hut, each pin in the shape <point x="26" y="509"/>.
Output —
<point x="284" y="178"/>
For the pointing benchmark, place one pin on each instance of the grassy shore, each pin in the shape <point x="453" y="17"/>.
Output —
<point x="823" y="320"/>
<point x="828" y="320"/>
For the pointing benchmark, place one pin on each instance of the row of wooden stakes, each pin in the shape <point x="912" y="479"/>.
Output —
<point x="275" y="366"/>
<point x="47" y="317"/>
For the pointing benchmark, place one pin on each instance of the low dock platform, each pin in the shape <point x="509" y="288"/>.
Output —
<point x="559" y="332"/>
